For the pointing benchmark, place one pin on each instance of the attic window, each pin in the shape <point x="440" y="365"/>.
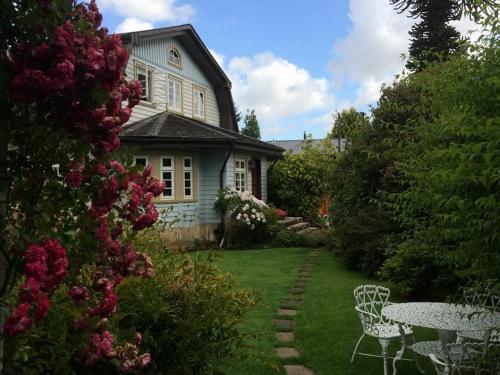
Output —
<point x="174" y="57"/>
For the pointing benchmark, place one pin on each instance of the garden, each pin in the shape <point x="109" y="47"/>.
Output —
<point x="88" y="285"/>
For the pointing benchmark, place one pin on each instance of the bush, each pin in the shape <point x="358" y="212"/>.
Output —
<point x="188" y="314"/>
<point x="298" y="182"/>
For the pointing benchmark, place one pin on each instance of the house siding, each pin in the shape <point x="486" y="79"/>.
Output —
<point x="180" y="215"/>
<point x="154" y="53"/>
<point x="263" y="177"/>
<point x="209" y="169"/>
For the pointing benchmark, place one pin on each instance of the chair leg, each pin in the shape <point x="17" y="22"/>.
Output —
<point x="415" y="356"/>
<point x="356" y="347"/>
<point x="384" y="343"/>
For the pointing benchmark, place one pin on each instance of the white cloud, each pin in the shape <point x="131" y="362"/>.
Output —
<point x="371" y="53"/>
<point x="275" y="87"/>
<point x="133" y="24"/>
<point x="218" y="57"/>
<point x="150" y="10"/>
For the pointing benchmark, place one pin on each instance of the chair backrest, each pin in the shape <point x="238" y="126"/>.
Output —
<point x="372" y="298"/>
<point x="482" y="297"/>
<point x="475" y="358"/>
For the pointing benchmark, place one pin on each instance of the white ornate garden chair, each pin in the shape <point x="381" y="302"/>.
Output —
<point x="469" y="358"/>
<point x="370" y="299"/>
<point x="482" y="299"/>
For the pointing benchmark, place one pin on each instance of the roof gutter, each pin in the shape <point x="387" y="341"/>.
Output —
<point x="221" y="173"/>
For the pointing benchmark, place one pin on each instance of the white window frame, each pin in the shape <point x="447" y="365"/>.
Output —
<point x="135" y="157"/>
<point x="190" y="171"/>
<point x="238" y="172"/>
<point x="177" y="64"/>
<point x="178" y="81"/>
<point x="148" y="72"/>
<point x="170" y="169"/>
<point x="199" y="110"/>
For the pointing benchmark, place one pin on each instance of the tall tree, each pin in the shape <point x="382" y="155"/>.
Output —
<point x="251" y="127"/>
<point x="237" y="114"/>
<point x="432" y="38"/>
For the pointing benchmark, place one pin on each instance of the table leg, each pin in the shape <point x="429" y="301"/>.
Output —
<point x="401" y="351"/>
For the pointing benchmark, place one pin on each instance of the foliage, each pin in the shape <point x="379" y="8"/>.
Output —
<point x="451" y="207"/>
<point x="361" y="226"/>
<point x="247" y="217"/>
<point x="432" y="38"/>
<point x="251" y="125"/>
<point x="346" y="122"/>
<point x="68" y="203"/>
<point x="188" y="314"/>
<point x="298" y="182"/>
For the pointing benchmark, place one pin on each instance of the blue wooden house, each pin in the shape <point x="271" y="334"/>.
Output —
<point x="185" y="128"/>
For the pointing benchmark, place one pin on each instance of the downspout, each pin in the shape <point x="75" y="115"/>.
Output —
<point x="221" y="174"/>
<point x="221" y="185"/>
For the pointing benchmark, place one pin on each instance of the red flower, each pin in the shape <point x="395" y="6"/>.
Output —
<point x="73" y="178"/>
<point x="42" y="307"/>
<point x="30" y="290"/>
<point x="79" y="294"/>
<point x="18" y="321"/>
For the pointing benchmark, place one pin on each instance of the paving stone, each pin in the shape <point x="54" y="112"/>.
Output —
<point x="303" y="279"/>
<point x="283" y="324"/>
<point x="293" y="304"/>
<point x="287" y="312"/>
<point x="298" y="290"/>
<point x="301" y="284"/>
<point x="298" y="370"/>
<point x="287" y="353"/>
<point x="305" y="273"/>
<point x="285" y="336"/>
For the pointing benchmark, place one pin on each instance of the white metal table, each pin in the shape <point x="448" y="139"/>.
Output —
<point x="446" y="318"/>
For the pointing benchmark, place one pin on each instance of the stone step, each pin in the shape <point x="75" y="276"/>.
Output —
<point x="308" y="230"/>
<point x="289" y="220"/>
<point x="298" y="370"/>
<point x="299" y="226"/>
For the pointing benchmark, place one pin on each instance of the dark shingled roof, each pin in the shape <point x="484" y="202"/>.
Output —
<point x="171" y="128"/>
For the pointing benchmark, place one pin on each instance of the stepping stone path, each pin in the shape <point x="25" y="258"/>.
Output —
<point x="284" y="320"/>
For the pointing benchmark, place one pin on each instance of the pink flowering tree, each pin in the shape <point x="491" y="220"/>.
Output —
<point x="67" y="200"/>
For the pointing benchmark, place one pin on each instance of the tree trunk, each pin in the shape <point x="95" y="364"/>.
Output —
<point x="3" y="212"/>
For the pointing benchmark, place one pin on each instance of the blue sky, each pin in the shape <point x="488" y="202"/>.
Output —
<point x="294" y="62"/>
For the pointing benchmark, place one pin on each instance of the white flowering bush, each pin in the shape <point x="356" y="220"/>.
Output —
<point x="242" y="207"/>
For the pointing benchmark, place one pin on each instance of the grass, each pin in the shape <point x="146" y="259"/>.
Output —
<point x="326" y="326"/>
<point x="271" y="273"/>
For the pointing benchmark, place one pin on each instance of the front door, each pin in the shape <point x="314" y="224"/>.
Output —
<point x="256" y="176"/>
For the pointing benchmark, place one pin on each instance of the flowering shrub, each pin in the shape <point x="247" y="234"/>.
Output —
<point x="241" y="206"/>
<point x="64" y="101"/>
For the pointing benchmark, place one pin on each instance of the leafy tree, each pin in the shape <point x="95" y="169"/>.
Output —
<point x="361" y="225"/>
<point x="237" y="114"/>
<point x="251" y="125"/>
<point x="432" y="38"/>
<point x="298" y="182"/>
<point x="450" y="209"/>
<point x="69" y="206"/>
<point x="345" y="123"/>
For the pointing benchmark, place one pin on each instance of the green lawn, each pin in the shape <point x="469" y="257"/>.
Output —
<point x="326" y="326"/>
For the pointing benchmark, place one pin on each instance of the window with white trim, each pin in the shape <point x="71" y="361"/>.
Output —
<point x="174" y="94"/>
<point x="141" y="160"/>
<point x="167" y="170"/>
<point x="144" y="74"/>
<point x="240" y="174"/>
<point x="174" y="57"/>
<point x="199" y="102"/>
<point x="188" y="177"/>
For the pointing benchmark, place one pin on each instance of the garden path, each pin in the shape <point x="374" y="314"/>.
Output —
<point x="284" y="321"/>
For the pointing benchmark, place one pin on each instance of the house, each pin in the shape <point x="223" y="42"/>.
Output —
<point x="185" y="128"/>
<point x="295" y="146"/>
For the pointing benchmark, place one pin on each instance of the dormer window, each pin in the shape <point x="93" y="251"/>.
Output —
<point x="174" y="57"/>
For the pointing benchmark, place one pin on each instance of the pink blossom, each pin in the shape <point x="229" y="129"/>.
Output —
<point x="42" y="307"/>
<point x="79" y="294"/>
<point x="30" y="290"/>
<point x="18" y="321"/>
